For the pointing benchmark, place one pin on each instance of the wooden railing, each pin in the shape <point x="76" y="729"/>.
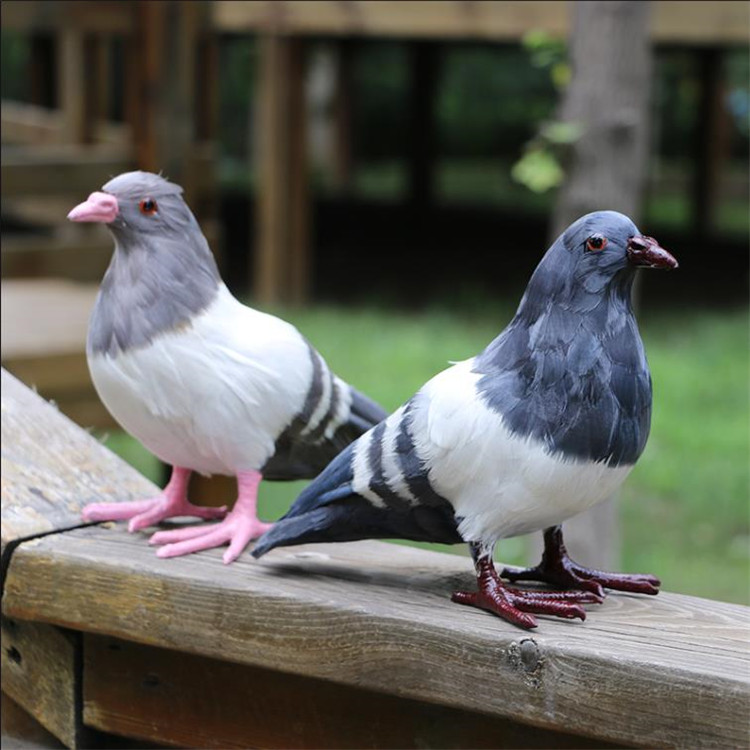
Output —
<point x="350" y="645"/>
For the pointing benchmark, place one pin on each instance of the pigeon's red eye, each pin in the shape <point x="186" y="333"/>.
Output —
<point x="148" y="206"/>
<point x="596" y="242"/>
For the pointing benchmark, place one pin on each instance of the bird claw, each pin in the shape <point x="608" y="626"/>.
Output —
<point x="569" y="575"/>
<point x="519" y="607"/>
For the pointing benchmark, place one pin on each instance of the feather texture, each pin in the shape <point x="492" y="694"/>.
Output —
<point x="544" y="423"/>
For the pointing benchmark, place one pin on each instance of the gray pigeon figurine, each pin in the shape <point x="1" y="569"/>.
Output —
<point x="204" y="382"/>
<point x="546" y="422"/>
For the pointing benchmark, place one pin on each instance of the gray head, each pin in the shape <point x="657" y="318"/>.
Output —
<point x="142" y="209"/>
<point x="595" y="256"/>
<point x="162" y="272"/>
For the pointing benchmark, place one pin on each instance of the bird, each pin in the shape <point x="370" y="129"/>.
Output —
<point x="204" y="382"/>
<point x="544" y="423"/>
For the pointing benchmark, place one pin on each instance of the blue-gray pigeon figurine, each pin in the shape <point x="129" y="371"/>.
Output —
<point x="204" y="382"/>
<point x="546" y="422"/>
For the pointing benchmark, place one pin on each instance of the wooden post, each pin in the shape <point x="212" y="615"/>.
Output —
<point x="96" y="85"/>
<point x="71" y="83"/>
<point x="609" y="95"/>
<point x="40" y="673"/>
<point x="281" y="259"/>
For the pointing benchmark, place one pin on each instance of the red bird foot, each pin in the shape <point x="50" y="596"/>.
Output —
<point x="516" y="605"/>
<point x="557" y="569"/>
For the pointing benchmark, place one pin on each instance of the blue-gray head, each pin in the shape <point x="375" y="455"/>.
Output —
<point x="570" y="369"/>
<point x="596" y="254"/>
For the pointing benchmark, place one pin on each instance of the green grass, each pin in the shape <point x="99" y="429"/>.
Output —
<point x="685" y="506"/>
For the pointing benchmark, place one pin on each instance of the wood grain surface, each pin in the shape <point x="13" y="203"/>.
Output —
<point x="668" y="671"/>
<point x="51" y="468"/>
<point x="192" y="701"/>
<point x="39" y="673"/>
<point x="719" y="22"/>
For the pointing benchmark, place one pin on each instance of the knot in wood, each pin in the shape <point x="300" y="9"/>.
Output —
<point x="525" y="656"/>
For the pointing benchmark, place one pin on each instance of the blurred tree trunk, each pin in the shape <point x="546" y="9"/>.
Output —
<point x="609" y="96"/>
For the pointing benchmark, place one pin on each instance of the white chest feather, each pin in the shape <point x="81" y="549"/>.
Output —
<point x="500" y="484"/>
<point x="212" y="396"/>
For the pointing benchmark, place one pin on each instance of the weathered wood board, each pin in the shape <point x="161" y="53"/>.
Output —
<point x="664" y="671"/>
<point x="43" y="343"/>
<point x="51" y="468"/>
<point x="717" y="22"/>
<point x="192" y="701"/>
<point x="44" y="317"/>
<point x="54" y="169"/>
<point x="39" y="673"/>
<point x="21" y="731"/>
<point x="100" y="16"/>
<point x="59" y="256"/>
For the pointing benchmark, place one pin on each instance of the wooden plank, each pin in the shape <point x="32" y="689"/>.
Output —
<point x="650" y="671"/>
<point x="51" y="468"/>
<point x="43" y="344"/>
<point x="76" y="258"/>
<point x="392" y="18"/>
<point x="21" y="731"/>
<point x="717" y="22"/>
<point x="102" y="16"/>
<point x="39" y="665"/>
<point x="29" y="123"/>
<point x="44" y="316"/>
<point x="75" y="170"/>
<point x="722" y="22"/>
<point x="191" y="701"/>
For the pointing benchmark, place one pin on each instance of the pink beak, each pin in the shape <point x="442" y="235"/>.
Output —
<point x="100" y="207"/>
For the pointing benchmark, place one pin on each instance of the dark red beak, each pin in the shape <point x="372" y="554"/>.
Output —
<point x="646" y="251"/>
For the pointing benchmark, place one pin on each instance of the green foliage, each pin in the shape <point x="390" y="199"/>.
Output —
<point x="540" y="168"/>
<point x="489" y="99"/>
<point x="684" y="507"/>
<point x="380" y="105"/>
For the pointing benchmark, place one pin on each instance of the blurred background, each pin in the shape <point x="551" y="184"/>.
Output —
<point x="386" y="175"/>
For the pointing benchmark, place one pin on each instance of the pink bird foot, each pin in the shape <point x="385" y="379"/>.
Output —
<point x="557" y="569"/>
<point x="516" y="605"/>
<point x="170" y="503"/>
<point x="238" y="529"/>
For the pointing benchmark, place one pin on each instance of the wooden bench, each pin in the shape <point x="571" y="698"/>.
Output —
<point x="350" y="645"/>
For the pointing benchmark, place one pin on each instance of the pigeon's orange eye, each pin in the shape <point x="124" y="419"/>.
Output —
<point x="148" y="206"/>
<point x="596" y="242"/>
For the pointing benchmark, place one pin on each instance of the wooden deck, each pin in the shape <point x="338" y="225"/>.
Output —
<point x="350" y="645"/>
<point x="717" y="22"/>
